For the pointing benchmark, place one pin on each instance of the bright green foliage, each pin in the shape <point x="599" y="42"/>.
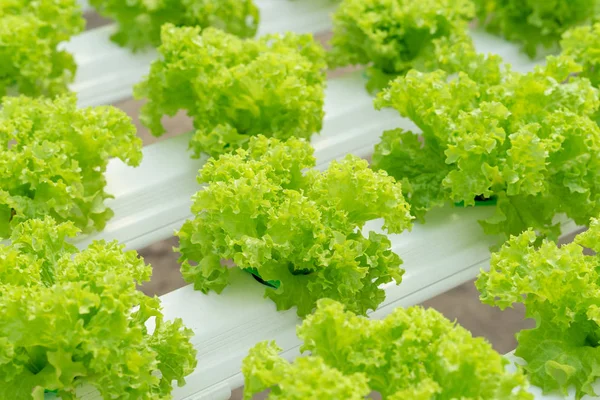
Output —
<point x="391" y="37"/>
<point x="560" y="288"/>
<point x="71" y="318"/>
<point x="583" y="44"/>
<point x="30" y="31"/>
<point x="140" y="21"/>
<point x="52" y="160"/>
<point x="412" y="354"/>
<point x="261" y="211"/>
<point x="526" y="139"/>
<point x="534" y="23"/>
<point x="306" y="378"/>
<point x="234" y="88"/>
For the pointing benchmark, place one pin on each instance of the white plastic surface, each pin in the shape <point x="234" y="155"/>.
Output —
<point x="85" y="5"/>
<point x="106" y="72"/>
<point x="537" y="392"/>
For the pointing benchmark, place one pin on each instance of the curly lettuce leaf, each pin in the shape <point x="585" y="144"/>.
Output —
<point x="391" y="37"/>
<point x="583" y="44"/>
<point x="30" y="34"/>
<point x="70" y="318"/>
<point x="53" y="156"/>
<point x="560" y="288"/>
<point x="307" y="377"/>
<point x="260" y="211"/>
<point x="411" y="354"/>
<point x="420" y="169"/>
<point x="139" y="21"/>
<point x="235" y="89"/>
<point x="534" y="23"/>
<point x="528" y="140"/>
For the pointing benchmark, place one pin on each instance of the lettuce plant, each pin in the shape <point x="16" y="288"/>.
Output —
<point x="70" y="318"/>
<point x="560" y="288"/>
<point x="52" y="160"/>
<point x="534" y="23"/>
<point x="307" y="378"/>
<point x="411" y="354"/>
<point x="583" y="44"/>
<point x="234" y="88"/>
<point x="140" y="21"/>
<point x="391" y="37"/>
<point x="261" y="211"/>
<point x="30" y="32"/>
<point x="526" y="141"/>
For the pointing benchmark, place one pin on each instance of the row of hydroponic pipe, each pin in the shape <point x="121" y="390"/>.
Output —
<point x="527" y="144"/>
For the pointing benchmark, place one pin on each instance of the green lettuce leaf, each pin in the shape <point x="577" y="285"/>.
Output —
<point x="53" y="156"/>
<point x="560" y="288"/>
<point x="534" y="23"/>
<point x="30" y="34"/>
<point x="235" y="89"/>
<point x="420" y="169"/>
<point x="70" y="318"/>
<point x="307" y="377"/>
<point x="139" y="21"/>
<point x="583" y="44"/>
<point x="413" y="353"/>
<point x="527" y="140"/>
<point x="391" y="37"/>
<point x="301" y="229"/>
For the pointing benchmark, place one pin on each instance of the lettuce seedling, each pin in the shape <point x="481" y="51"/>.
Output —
<point x="234" y="88"/>
<point x="583" y="44"/>
<point x="412" y="354"/>
<point x="308" y="377"/>
<point x="139" y="22"/>
<point x="70" y="318"/>
<point x="560" y="288"/>
<point x="391" y="37"/>
<point x="534" y="23"/>
<point x="261" y="210"/>
<point x="53" y="156"/>
<point x="527" y="141"/>
<point x="30" y="33"/>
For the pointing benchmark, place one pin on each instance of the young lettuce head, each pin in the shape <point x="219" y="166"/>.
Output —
<point x="526" y="140"/>
<point x="30" y="32"/>
<point x="306" y="378"/>
<point x="534" y="23"/>
<point x="52" y="160"/>
<point x="583" y="45"/>
<point x="560" y="288"/>
<point x="391" y="37"/>
<point x="234" y="88"/>
<point x="260" y="210"/>
<point x="412" y="354"/>
<point x="70" y="318"/>
<point x="139" y="22"/>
